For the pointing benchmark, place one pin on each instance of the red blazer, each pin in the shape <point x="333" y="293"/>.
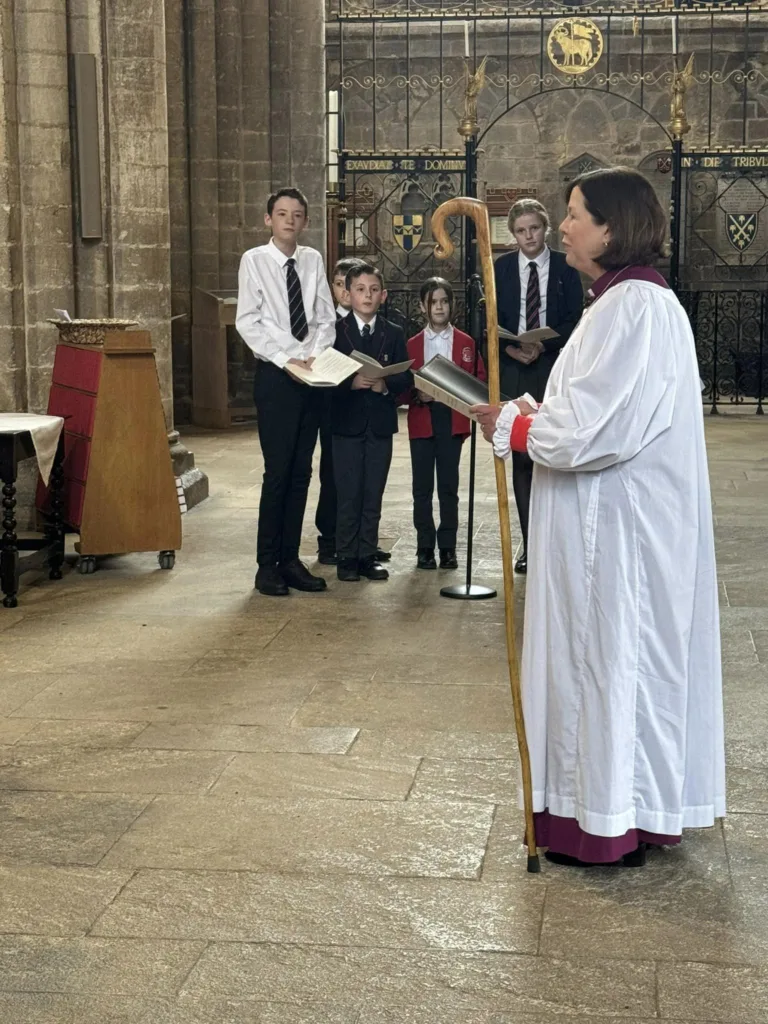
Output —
<point x="419" y="418"/>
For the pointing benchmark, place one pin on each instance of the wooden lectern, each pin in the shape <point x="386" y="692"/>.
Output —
<point x="119" y="490"/>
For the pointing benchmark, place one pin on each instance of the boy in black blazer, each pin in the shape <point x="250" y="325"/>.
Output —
<point x="535" y="287"/>
<point x="363" y="421"/>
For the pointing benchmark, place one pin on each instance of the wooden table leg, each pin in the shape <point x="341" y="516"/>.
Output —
<point x="9" y="551"/>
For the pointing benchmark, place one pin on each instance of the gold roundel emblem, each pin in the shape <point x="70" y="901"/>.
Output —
<point x="575" y="45"/>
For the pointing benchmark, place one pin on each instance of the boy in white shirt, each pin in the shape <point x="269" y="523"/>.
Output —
<point x="286" y="316"/>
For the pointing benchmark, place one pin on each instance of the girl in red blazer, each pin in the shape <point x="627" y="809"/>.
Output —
<point x="436" y="432"/>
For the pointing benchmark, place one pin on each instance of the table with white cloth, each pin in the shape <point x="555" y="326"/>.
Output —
<point x="27" y="436"/>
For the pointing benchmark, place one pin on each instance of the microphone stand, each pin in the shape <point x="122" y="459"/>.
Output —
<point x="469" y="591"/>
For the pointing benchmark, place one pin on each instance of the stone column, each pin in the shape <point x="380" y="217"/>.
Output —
<point x="246" y="115"/>
<point x="202" y="114"/>
<point x="92" y="257"/>
<point x="297" y="86"/>
<point x="257" y="98"/>
<point x="13" y="353"/>
<point x="180" y="226"/>
<point x="140" y="194"/>
<point x="137" y="158"/>
<point x="40" y="43"/>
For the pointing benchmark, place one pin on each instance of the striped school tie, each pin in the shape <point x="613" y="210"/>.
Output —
<point x="299" y="328"/>
<point x="532" y="299"/>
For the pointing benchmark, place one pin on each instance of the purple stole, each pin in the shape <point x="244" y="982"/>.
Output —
<point x="612" y="277"/>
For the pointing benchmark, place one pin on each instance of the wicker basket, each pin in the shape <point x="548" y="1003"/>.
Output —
<point x="89" y="332"/>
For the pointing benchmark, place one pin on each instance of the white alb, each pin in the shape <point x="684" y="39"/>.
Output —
<point x="621" y="664"/>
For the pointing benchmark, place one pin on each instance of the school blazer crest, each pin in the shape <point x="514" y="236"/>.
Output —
<point x="463" y="354"/>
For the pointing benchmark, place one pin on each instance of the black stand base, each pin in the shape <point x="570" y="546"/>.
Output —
<point x="534" y="867"/>
<point x="467" y="592"/>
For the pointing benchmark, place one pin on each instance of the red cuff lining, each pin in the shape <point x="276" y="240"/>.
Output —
<point x="518" y="439"/>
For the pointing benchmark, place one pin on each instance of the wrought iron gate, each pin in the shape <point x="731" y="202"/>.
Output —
<point x="386" y="204"/>
<point x="724" y="272"/>
<point x="673" y="79"/>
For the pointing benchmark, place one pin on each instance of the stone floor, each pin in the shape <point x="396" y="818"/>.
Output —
<point x="218" y="808"/>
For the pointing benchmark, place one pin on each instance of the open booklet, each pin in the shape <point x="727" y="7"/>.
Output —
<point x="373" y="369"/>
<point x="538" y="334"/>
<point x="329" y="369"/>
<point x="448" y="383"/>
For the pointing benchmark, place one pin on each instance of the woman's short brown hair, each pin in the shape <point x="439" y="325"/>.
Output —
<point x="523" y="206"/>
<point x="624" y="200"/>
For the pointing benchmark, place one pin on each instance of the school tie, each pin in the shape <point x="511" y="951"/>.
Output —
<point x="366" y="332"/>
<point x="532" y="299"/>
<point x="299" y="328"/>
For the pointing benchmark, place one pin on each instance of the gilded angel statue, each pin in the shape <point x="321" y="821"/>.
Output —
<point x="475" y="85"/>
<point x="681" y="81"/>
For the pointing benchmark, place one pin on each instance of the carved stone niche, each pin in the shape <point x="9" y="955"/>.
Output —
<point x="580" y="165"/>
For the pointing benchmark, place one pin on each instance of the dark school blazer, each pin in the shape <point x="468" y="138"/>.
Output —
<point x="565" y="302"/>
<point x="352" y="412"/>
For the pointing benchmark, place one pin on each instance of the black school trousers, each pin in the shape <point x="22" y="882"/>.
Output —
<point x="288" y="419"/>
<point x="522" y="481"/>
<point x="361" y="467"/>
<point x="440" y="453"/>
<point x="325" y="517"/>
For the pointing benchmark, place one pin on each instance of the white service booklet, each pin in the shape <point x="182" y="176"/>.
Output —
<point x="374" y="370"/>
<point x="329" y="369"/>
<point x="538" y="334"/>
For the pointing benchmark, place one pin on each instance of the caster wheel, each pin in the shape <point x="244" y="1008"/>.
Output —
<point x="167" y="559"/>
<point x="86" y="565"/>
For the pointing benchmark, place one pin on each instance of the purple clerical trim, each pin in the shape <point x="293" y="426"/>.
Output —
<point x="612" y="277"/>
<point x="565" y="835"/>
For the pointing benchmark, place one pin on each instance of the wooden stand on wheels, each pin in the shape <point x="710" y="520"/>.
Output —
<point x="119" y="490"/>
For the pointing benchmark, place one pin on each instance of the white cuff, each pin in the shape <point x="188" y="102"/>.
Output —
<point x="501" y="435"/>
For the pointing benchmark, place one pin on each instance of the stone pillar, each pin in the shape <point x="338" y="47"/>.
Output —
<point x="92" y="257"/>
<point x="246" y="115"/>
<point x="140" y="195"/>
<point x="13" y="353"/>
<point x="257" y="98"/>
<point x="202" y="72"/>
<point x="229" y="138"/>
<point x="180" y="227"/>
<point x="137" y="158"/>
<point x="46" y="264"/>
<point x="297" y="61"/>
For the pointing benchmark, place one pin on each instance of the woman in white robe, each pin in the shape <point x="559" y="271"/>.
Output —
<point x="621" y="671"/>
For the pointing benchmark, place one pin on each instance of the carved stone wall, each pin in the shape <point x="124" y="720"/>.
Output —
<point x="205" y="106"/>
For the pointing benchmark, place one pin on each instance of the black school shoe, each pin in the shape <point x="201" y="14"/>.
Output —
<point x="448" y="559"/>
<point x="521" y="565"/>
<point x="269" y="581"/>
<point x="346" y="570"/>
<point x="425" y="558"/>
<point x="372" y="570"/>
<point x="326" y="552"/>
<point x="382" y="556"/>
<point x="295" y="574"/>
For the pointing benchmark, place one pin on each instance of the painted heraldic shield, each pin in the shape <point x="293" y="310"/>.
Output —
<point x="741" y="229"/>
<point x="407" y="229"/>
